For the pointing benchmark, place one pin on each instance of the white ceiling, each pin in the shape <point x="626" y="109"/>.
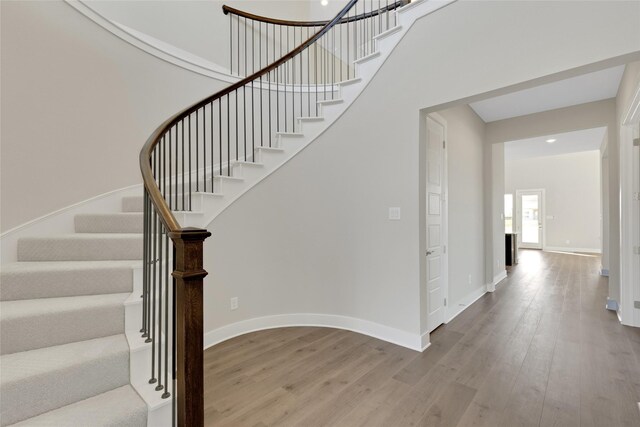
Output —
<point x="569" y="142"/>
<point x="564" y="93"/>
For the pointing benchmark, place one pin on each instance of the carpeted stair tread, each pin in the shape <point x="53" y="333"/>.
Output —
<point x="132" y="204"/>
<point x="119" y="407"/>
<point x="122" y="222"/>
<point x="81" y="247"/>
<point x="38" y="381"/>
<point x="29" y="280"/>
<point x="43" y="322"/>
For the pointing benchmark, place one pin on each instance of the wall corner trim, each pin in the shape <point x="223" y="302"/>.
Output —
<point x="461" y="305"/>
<point x="361" y="326"/>
<point x="499" y="277"/>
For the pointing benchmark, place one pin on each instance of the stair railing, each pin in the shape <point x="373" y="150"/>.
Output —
<point x="195" y="151"/>
<point x="255" y="41"/>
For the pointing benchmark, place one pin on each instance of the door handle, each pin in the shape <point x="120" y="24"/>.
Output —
<point x="430" y="252"/>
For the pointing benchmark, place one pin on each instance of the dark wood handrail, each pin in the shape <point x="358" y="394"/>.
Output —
<point x="287" y="23"/>
<point x="187" y="272"/>
<point x="161" y="206"/>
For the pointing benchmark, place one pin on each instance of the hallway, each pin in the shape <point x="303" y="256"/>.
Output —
<point x="541" y="350"/>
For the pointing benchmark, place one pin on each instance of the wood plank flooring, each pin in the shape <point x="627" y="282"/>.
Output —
<point x="540" y="351"/>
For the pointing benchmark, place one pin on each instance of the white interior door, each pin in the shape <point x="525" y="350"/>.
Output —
<point x="529" y="215"/>
<point x="435" y="211"/>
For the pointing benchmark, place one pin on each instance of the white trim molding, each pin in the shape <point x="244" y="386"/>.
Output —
<point x="361" y="326"/>
<point x="572" y="250"/>
<point x="629" y="224"/>
<point x="155" y="47"/>
<point x="491" y="287"/>
<point x="453" y="310"/>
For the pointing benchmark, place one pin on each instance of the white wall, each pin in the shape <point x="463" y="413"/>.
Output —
<point x="199" y="26"/>
<point x="628" y="262"/>
<point x="314" y="236"/>
<point x="465" y="147"/>
<point x="572" y="196"/>
<point x="78" y="103"/>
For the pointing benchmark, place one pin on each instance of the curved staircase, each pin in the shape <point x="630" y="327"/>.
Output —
<point x="64" y="310"/>
<point x="79" y="345"/>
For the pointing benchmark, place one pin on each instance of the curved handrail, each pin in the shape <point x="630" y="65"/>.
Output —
<point x="175" y="278"/>
<point x="288" y="23"/>
<point x="157" y="199"/>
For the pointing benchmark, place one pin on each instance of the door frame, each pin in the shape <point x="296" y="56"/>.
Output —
<point x="629" y="215"/>
<point x="445" y="217"/>
<point x="543" y="214"/>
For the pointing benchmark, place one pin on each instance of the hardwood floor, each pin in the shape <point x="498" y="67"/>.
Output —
<point x="540" y="351"/>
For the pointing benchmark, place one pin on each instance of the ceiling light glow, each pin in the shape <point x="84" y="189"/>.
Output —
<point x="324" y="2"/>
<point x="551" y="141"/>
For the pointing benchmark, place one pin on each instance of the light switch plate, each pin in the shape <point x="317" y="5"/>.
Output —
<point x="394" y="214"/>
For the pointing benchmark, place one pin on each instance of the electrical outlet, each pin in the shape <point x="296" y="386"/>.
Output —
<point x="394" y="214"/>
<point x="234" y="303"/>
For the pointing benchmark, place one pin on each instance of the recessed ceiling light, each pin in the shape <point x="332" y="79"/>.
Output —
<point x="324" y="2"/>
<point x="551" y="141"/>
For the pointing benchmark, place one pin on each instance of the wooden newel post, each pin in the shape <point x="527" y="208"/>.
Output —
<point x="189" y="274"/>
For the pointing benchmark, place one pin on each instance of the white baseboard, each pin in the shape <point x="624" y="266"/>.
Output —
<point x="458" y="307"/>
<point x="499" y="278"/>
<point x="563" y="249"/>
<point x="366" y="327"/>
<point x="425" y="341"/>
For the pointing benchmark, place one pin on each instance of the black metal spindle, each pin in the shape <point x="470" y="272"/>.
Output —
<point x="153" y="299"/>
<point x="228" y="134"/>
<point x="387" y="14"/>
<point x="160" y="386"/>
<point x="190" y="155"/>
<point x="158" y="337"/>
<point x="286" y="84"/>
<point x="333" y="61"/>
<point x="260" y="62"/>
<point x="170" y="176"/>
<point x="229" y="164"/>
<point x="308" y="78"/>
<point x="182" y="157"/>
<point x="145" y="260"/>
<point x="245" y="46"/>
<point x="212" y="160"/>
<point x="166" y="393"/>
<point x="197" y="144"/>
<point x="204" y="148"/>
<point x="244" y="118"/>
<point x="220" y="133"/>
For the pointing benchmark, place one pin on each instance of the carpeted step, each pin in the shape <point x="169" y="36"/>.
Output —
<point x="127" y="222"/>
<point x="30" y="280"/>
<point x="119" y="407"/>
<point x="132" y="204"/>
<point x="37" y="323"/>
<point x="39" y="381"/>
<point x="81" y="247"/>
